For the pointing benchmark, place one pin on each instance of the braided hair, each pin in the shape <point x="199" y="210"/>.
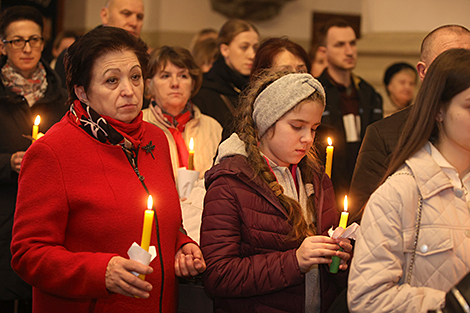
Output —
<point x="309" y="166"/>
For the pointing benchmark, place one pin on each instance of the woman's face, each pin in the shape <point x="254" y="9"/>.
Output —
<point x="171" y="88"/>
<point x="290" y="139"/>
<point x="116" y="86"/>
<point x="26" y="59"/>
<point x="454" y="133"/>
<point x="402" y="87"/>
<point x="240" y="52"/>
<point x="286" y="61"/>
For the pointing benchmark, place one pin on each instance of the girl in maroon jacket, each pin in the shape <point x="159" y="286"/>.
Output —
<point x="269" y="205"/>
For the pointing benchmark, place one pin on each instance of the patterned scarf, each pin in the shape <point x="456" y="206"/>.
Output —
<point x="106" y="129"/>
<point x="176" y="125"/>
<point x="32" y="88"/>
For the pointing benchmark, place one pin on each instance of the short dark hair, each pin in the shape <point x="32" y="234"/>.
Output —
<point x="334" y="22"/>
<point x="395" y="68"/>
<point x="82" y="54"/>
<point x="180" y="57"/>
<point x="20" y="13"/>
<point x="271" y="47"/>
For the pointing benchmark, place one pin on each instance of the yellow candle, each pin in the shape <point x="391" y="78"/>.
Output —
<point x="343" y="222"/>
<point x="191" y="155"/>
<point x="329" y="157"/>
<point x="36" y="128"/>
<point x="147" y="230"/>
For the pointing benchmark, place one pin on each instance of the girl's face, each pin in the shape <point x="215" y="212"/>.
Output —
<point x="240" y="52"/>
<point x="290" y="139"/>
<point x="454" y="133"/>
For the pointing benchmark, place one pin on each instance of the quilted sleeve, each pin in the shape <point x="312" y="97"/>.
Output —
<point x="228" y="274"/>
<point x="379" y="258"/>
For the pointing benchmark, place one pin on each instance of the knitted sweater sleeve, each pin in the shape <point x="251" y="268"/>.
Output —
<point x="39" y="233"/>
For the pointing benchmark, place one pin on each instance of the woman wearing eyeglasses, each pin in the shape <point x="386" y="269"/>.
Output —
<point x="28" y="88"/>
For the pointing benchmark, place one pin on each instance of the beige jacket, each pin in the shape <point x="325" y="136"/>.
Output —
<point x="206" y="132"/>
<point x="377" y="281"/>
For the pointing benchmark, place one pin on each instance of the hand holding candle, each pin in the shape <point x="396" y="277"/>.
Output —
<point x="329" y="157"/>
<point x="147" y="229"/>
<point x="343" y="222"/>
<point x="191" y="155"/>
<point x="36" y="128"/>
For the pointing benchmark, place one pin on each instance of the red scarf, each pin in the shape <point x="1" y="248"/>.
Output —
<point x="107" y="129"/>
<point x="176" y="125"/>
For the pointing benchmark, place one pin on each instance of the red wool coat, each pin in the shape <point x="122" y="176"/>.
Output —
<point x="251" y="263"/>
<point x="79" y="204"/>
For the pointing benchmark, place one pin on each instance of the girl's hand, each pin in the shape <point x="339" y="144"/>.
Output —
<point x="317" y="250"/>
<point x="346" y="254"/>
<point x="189" y="261"/>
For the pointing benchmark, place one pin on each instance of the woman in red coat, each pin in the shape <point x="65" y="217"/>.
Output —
<point x="269" y="205"/>
<point x="83" y="189"/>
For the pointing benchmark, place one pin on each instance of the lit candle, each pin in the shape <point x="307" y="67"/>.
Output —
<point x="191" y="155"/>
<point x="36" y="128"/>
<point x="329" y="157"/>
<point x="343" y="222"/>
<point x="147" y="230"/>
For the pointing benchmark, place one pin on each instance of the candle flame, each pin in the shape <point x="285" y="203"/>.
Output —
<point x="191" y="144"/>
<point x="150" y="202"/>
<point x="345" y="203"/>
<point x="37" y="120"/>
<point x="329" y="141"/>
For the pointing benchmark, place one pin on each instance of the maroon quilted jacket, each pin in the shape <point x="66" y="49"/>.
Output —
<point x="251" y="265"/>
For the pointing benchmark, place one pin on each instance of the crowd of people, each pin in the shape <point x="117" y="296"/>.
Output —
<point x="249" y="120"/>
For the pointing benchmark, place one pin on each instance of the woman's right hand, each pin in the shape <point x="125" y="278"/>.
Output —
<point x="315" y="250"/>
<point x="119" y="278"/>
<point x="15" y="160"/>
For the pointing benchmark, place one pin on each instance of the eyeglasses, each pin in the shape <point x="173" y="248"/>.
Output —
<point x="34" y="42"/>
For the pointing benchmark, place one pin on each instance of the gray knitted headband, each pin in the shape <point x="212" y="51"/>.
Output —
<point x="281" y="96"/>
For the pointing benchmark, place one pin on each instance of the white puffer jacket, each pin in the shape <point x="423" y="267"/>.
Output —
<point x="377" y="281"/>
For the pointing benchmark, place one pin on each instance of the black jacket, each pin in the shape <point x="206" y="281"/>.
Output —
<point x="345" y="154"/>
<point x="379" y="142"/>
<point x="221" y="84"/>
<point x="16" y="119"/>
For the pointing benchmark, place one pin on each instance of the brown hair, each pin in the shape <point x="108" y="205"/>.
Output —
<point x="80" y="57"/>
<point x="309" y="165"/>
<point x="447" y="76"/>
<point x="205" y="51"/>
<point x="181" y="58"/>
<point x="232" y="28"/>
<point x="335" y="22"/>
<point x="271" y="47"/>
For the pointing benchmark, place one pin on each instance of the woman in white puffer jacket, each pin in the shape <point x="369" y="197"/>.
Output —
<point x="392" y="271"/>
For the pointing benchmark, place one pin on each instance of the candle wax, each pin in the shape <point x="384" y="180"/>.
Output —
<point x="329" y="160"/>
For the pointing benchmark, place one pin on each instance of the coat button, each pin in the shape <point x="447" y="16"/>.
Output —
<point x="458" y="192"/>
<point x="467" y="233"/>
<point x="424" y="248"/>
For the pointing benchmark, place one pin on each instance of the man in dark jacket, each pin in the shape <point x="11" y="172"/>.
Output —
<point x="381" y="137"/>
<point x="351" y="103"/>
